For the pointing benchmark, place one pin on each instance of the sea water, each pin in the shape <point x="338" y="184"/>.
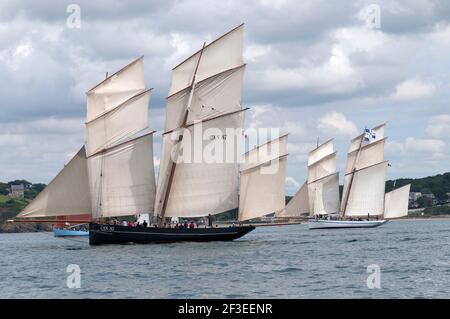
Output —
<point x="401" y="259"/>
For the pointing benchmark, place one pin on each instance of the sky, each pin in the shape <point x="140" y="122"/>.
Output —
<point x="316" y="68"/>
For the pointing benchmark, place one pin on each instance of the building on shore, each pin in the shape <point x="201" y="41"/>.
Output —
<point x="17" y="191"/>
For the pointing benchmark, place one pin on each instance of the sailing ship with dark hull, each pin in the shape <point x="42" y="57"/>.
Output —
<point x="112" y="175"/>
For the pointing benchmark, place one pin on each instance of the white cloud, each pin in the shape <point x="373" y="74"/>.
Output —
<point x="439" y="126"/>
<point x="337" y="124"/>
<point x="413" y="89"/>
<point x="292" y="183"/>
<point x="424" y="145"/>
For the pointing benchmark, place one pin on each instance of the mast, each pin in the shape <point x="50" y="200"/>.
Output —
<point x="347" y="195"/>
<point x="183" y="124"/>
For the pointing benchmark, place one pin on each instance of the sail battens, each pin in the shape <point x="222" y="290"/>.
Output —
<point x="396" y="202"/>
<point x="66" y="195"/>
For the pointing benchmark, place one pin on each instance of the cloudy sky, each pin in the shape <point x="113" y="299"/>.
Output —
<point x="315" y="68"/>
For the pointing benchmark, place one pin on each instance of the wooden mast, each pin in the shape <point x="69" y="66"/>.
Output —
<point x="353" y="174"/>
<point x="183" y="124"/>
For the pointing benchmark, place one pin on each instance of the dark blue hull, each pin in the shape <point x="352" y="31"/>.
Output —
<point x="115" y="234"/>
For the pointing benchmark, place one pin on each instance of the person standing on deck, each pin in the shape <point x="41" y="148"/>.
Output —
<point x="210" y="224"/>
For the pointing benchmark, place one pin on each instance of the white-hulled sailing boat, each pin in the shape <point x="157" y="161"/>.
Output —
<point x="364" y="186"/>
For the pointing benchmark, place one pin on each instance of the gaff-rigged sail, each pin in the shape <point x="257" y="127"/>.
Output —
<point x="262" y="189"/>
<point x="119" y="148"/>
<point x="205" y="87"/>
<point x="323" y="180"/>
<point x="66" y="195"/>
<point x="396" y="202"/>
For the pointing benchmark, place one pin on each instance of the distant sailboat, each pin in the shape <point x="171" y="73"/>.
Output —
<point x="319" y="195"/>
<point x="364" y="186"/>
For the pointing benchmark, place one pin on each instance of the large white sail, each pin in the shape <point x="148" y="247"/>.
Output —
<point x="370" y="154"/>
<point x="206" y="184"/>
<point x="323" y="180"/>
<point x="324" y="195"/>
<point x="206" y="86"/>
<point x="120" y="155"/>
<point x="122" y="179"/>
<point x="265" y="152"/>
<point x="121" y="122"/>
<point x="367" y="191"/>
<point x="396" y="202"/>
<point x="115" y="89"/>
<point x="298" y="205"/>
<point x="66" y="195"/>
<point x="220" y="55"/>
<point x="262" y="189"/>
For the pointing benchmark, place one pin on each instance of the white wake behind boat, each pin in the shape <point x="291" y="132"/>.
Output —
<point x="324" y="224"/>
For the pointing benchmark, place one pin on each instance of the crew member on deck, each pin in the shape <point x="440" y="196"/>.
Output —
<point x="210" y="223"/>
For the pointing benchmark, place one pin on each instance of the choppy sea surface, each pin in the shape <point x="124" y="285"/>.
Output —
<point x="413" y="257"/>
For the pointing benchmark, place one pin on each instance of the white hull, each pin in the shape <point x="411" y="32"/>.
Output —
<point x="324" y="224"/>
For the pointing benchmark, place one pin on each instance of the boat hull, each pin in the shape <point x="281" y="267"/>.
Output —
<point x="328" y="224"/>
<point x="116" y="234"/>
<point x="61" y="232"/>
